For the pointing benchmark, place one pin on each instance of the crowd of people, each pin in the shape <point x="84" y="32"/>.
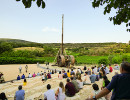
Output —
<point x="117" y="88"/>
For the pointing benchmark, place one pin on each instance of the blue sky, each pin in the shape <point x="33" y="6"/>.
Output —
<point x="82" y="23"/>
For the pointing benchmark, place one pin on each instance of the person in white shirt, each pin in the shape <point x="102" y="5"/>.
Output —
<point x="106" y="70"/>
<point x="20" y="69"/>
<point x="80" y="83"/>
<point x="50" y="94"/>
<point x="29" y="76"/>
<point x="95" y="70"/>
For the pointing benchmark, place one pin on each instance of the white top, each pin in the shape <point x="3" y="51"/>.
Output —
<point x="79" y="70"/>
<point x="95" y="70"/>
<point x="61" y="95"/>
<point x="80" y="84"/>
<point x="107" y="70"/>
<point x="87" y="79"/>
<point x="20" y="67"/>
<point x="43" y="77"/>
<point x="29" y="75"/>
<point x="50" y="95"/>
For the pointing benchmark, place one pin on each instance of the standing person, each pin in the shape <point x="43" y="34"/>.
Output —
<point x="93" y="78"/>
<point x="24" y="82"/>
<point x="20" y="69"/>
<point x="49" y="94"/>
<point x="69" y="89"/>
<point x="19" y="95"/>
<point x="18" y="78"/>
<point x="43" y="78"/>
<point x="120" y="84"/>
<point x="26" y="68"/>
<point x="110" y="68"/>
<point x="37" y="64"/>
<point x="60" y="93"/>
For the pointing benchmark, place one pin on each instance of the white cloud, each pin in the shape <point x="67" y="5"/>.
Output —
<point x="48" y="29"/>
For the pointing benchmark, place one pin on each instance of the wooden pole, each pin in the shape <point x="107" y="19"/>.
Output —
<point x="62" y="34"/>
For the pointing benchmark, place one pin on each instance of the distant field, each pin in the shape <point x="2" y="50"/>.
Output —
<point x="29" y="48"/>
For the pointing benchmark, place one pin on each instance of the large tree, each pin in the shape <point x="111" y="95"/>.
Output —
<point x="122" y="9"/>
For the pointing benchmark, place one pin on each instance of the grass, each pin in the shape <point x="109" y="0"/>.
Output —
<point x="29" y="48"/>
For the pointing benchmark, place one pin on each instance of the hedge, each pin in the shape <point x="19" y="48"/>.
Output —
<point x="19" y="60"/>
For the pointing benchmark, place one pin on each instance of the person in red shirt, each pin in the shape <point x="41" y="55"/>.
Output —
<point x="111" y="69"/>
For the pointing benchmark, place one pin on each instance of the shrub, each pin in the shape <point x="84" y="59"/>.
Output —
<point x="116" y="60"/>
<point x="19" y="60"/>
<point x="103" y="61"/>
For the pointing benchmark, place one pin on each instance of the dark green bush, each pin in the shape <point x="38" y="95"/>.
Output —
<point x="116" y="60"/>
<point x="103" y="61"/>
<point x="19" y="60"/>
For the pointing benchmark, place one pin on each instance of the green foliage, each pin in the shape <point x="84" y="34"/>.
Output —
<point x="5" y="47"/>
<point x="28" y="3"/>
<point x="49" y="51"/>
<point x="116" y="60"/>
<point x="19" y="60"/>
<point x="122" y="10"/>
<point x="103" y="61"/>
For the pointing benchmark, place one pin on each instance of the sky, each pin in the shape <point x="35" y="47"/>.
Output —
<point x="82" y="23"/>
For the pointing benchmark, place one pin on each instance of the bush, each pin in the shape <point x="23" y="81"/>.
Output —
<point x="19" y="60"/>
<point x="104" y="61"/>
<point x="116" y="60"/>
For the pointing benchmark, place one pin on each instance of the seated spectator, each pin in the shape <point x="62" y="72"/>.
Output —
<point x="116" y="67"/>
<point x="110" y="68"/>
<point x="68" y="73"/>
<point x="52" y="71"/>
<point x="64" y="74"/>
<point x="25" y="82"/>
<point x="60" y="76"/>
<point x="106" y="70"/>
<point x="48" y="76"/>
<point x="119" y="84"/>
<point x="38" y="74"/>
<point x="101" y="72"/>
<point x="69" y="89"/>
<point x="105" y="83"/>
<point x="60" y="93"/>
<point x="49" y="94"/>
<point x="73" y="75"/>
<point x="85" y="68"/>
<point x="18" y="78"/>
<point x="23" y="76"/>
<point x="72" y="71"/>
<point x="3" y="96"/>
<point x="89" y="71"/>
<point x="75" y="83"/>
<point x="79" y="70"/>
<point x="78" y="74"/>
<point x="43" y="78"/>
<point x="41" y="73"/>
<point x="34" y="75"/>
<point x="55" y="71"/>
<point x="80" y="83"/>
<point x="93" y="78"/>
<point x="19" y="95"/>
<point x="29" y="76"/>
<point x="95" y="70"/>
<point x="86" y="79"/>
<point x="98" y="69"/>
<point x="96" y="91"/>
